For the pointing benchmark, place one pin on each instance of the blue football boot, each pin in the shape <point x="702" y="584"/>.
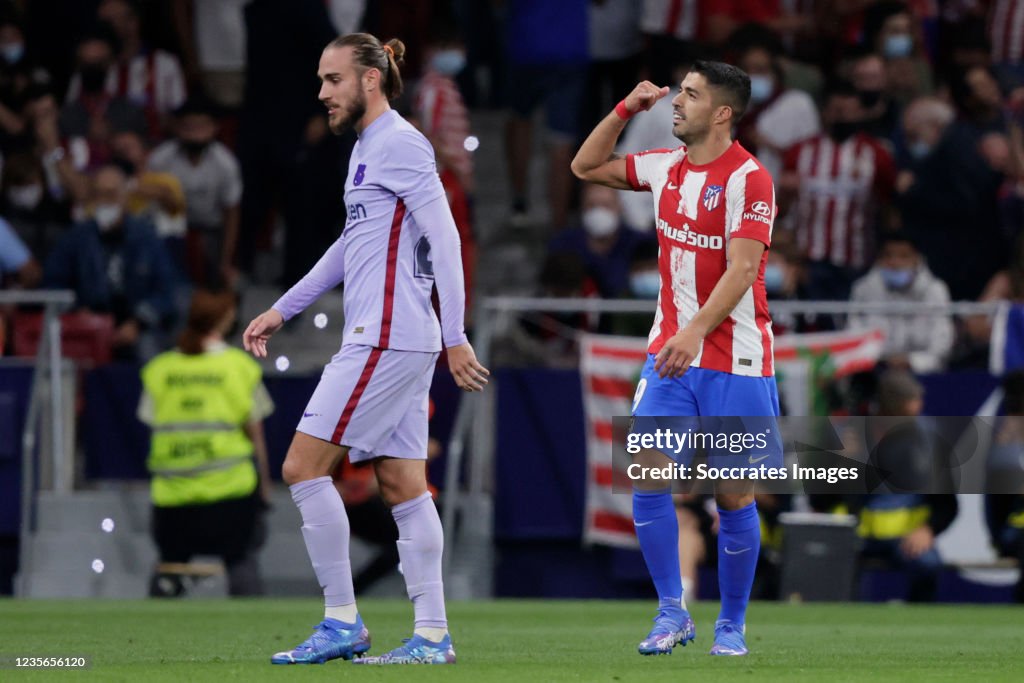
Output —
<point x="415" y="650"/>
<point x="332" y="639"/>
<point x="673" y="626"/>
<point x="730" y="639"/>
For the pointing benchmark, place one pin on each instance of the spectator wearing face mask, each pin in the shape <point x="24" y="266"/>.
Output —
<point x="881" y="111"/>
<point x="441" y="114"/>
<point x="210" y="176"/>
<point x="29" y="206"/>
<point x="117" y="265"/>
<point x="91" y="111"/>
<point x="921" y="343"/>
<point x="890" y="29"/>
<point x="644" y="284"/>
<point x="601" y="241"/>
<point x="439" y="107"/>
<point x="18" y="74"/>
<point x="834" y="193"/>
<point x="778" y="117"/>
<point x="150" y="78"/>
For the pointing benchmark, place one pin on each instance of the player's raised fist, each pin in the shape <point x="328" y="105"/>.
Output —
<point x="644" y="95"/>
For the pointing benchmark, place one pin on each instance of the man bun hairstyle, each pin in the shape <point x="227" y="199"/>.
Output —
<point x="730" y="81"/>
<point x="369" y="53"/>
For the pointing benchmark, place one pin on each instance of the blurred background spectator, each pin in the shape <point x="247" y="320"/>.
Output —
<point x="117" y="265"/>
<point x="947" y="198"/>
<point x="283" y="42"/>
<point x="547" y="53"/>
<point x="778" y="117"/>
<point x="921" y="343"/>
<point x="836" y="186"/>
<point x="899" y="529"/>
<point x="148" y="77"/>
<point x="212" y="183"/>
<point x="17" y="266"/>
<point x="601" y="240"/>
<point x="92" y="109"/>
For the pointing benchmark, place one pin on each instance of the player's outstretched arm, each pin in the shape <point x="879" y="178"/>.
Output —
<point x="466" y="369"/>
<point x="595" y="161"/>
<point x="256" y="335"/>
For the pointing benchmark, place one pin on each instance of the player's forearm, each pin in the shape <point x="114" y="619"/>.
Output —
<point x="598" y="147"/>
<point x="328" y="273"/>
<point x="446" y="256"/>
<point x="738" y="278"/>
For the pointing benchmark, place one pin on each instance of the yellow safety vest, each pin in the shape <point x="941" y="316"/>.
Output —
<point x="886" y="525"/>
<point x="199" y="452"/>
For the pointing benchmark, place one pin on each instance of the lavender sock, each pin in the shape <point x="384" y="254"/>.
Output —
<point x="326" y="531"/>
<point x="420" y="544"/>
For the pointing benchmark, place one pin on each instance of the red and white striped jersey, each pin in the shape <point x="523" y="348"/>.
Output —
<point x="841" y="185"/>
<point x="699" y="209"/>
<point x="1006" y="31"/>
<point x="444" y="120"/>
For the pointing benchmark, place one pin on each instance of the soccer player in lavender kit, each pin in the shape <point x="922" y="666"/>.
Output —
<point x="710" y="348"/>
<point x="371" y="403"/>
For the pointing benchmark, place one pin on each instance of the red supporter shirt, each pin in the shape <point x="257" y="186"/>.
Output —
<point x="699" y="209"/>
<point x="841" y="185"/>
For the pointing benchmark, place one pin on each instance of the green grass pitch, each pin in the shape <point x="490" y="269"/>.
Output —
<point x="528" y="641"/>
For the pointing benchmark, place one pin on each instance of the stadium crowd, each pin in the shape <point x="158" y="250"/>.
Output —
<point x="150" y="147"/>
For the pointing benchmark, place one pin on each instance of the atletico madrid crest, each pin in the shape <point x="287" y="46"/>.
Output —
<point x="712" y="197"/>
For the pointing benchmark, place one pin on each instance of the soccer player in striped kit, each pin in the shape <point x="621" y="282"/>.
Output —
<point x="371" y="403"/>
<point x="710" y="348"/>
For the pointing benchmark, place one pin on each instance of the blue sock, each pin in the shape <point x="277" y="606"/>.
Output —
<point x="654" y="515"/>
<point x="739" y="543"/>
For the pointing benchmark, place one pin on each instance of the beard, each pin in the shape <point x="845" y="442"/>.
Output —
<point x="690" y="135"/>
<point x="348" y="114"/>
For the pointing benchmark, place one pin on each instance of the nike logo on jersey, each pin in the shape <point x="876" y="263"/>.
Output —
<point x="643" y="523"/>
<point x="672" y="187"/>
<point x="735" y="552"/>
<point x="754" y="461"/>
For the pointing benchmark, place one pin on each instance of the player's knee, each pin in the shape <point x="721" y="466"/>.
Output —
<point x="397" y="492"/>
<point x="733" y="501"/>
<point x="292" y="471"/>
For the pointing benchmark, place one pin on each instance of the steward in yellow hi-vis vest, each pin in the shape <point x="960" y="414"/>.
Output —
<point x="205" y="402"/>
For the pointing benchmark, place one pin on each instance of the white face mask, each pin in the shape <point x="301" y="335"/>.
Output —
<point x="25" y="197"/>
<point x="761" y="88"/>
<point x="600" y="222"/>
<point x="107" y="216"/>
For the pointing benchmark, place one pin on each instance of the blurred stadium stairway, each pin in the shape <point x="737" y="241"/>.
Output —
<point x="70" y="537"/>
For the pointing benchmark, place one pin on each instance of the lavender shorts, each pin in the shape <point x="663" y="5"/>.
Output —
<point x="375" y="401"/>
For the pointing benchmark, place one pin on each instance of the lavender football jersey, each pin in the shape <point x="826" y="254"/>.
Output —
<point x="399" y="240"/>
